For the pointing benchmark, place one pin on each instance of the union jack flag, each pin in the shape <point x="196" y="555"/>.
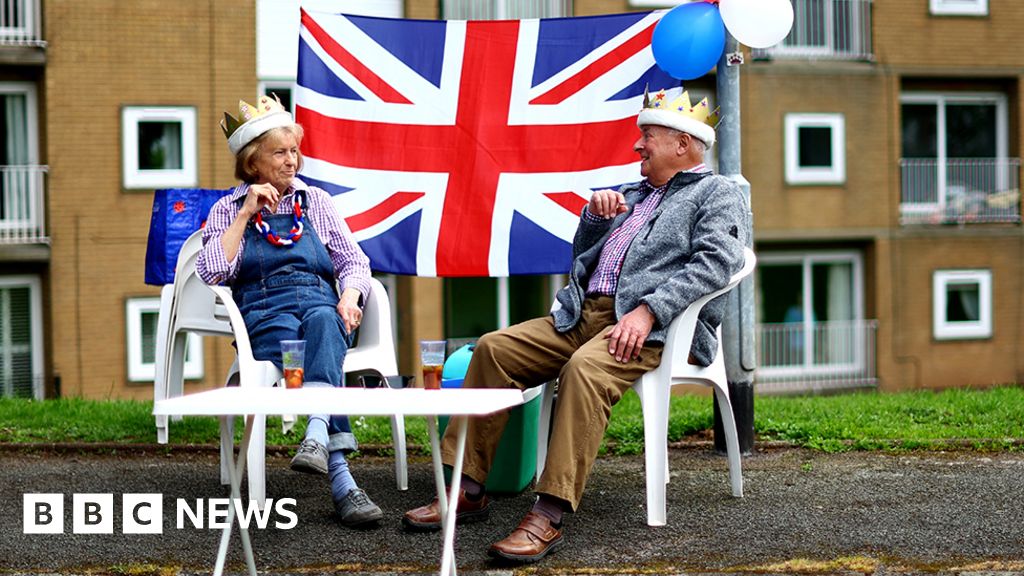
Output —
<point x="469" y="148"/>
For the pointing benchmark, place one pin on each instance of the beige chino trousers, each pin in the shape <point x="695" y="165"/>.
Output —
<point x="590" y="382"/>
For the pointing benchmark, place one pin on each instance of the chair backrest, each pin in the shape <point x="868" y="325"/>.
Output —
<point x="679" y="339"/>
<point x="189" y="251"/>
<point x="375" y="349"/>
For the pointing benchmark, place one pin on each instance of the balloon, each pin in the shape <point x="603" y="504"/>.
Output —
<point x="757" y="23"/>
<point x="689" y="40"/>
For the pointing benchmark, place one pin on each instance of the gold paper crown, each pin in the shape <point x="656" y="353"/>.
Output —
<point x="681" y="105"/>
<point x="247" y="112"/>
<point x="252" y="121"/>
<point x="679" y="114"/>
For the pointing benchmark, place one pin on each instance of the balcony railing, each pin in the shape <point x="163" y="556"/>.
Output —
<point x="830" y="356"/>
<point x="959" y="191"/>
<point x="19" y="23"/>
<point x="505" y="9"/>
<point x="826" y="30"/>
<point x="22" y="205"/>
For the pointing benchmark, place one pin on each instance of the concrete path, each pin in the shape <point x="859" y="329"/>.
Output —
<point x="804" y="512"/>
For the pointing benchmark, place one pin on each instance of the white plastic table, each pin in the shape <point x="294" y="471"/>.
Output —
<point x="249" y="402"/>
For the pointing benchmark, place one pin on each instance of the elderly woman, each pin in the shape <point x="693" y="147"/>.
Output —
<point x="282" y="248"/>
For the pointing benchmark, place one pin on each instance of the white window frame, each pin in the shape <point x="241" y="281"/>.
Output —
<point x="959" y="7"/>
<point x="942" y="328"/>
<point x="135" y="178"/>
<point x="36" y="337"/>
<point x="836" y="173"/>
<point x="941" y="100"/>
<point x="807" y="260"/>
<point x="139" y="371"/>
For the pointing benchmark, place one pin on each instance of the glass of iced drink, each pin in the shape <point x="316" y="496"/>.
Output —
<point x="432" y="360"/>
<point x="293" y="354"/>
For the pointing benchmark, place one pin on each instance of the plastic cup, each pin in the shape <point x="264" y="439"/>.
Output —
<point x="293" y="355"/>
<point x="432" y="360"/>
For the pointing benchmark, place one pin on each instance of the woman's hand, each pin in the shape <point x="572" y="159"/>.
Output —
<point x="259" y="196"/>
<point x="349" y="310"/>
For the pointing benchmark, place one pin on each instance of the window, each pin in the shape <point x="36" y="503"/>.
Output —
<point x="962" y="304"/>
<point x="810" y="311"/>
<point x="21" y="338"/>
<point x="960" y="7"/>
<point x="815" y="149"/>
<point x="143" y="314"/>
<point x="20" y="177"/>
<point x="159" y="147"/>
<point x="954" y="146"/>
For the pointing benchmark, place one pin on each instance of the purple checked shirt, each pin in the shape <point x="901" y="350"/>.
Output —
<point x="351" y="266"/>
<point x="605" y="278"/>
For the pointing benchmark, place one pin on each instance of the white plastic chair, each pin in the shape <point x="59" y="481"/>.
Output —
<point x="190" y="305"/>
<point x="654" y="389"/>
<point x="185" y="306"/>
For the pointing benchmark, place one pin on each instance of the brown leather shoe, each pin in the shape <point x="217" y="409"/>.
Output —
<point x="532" y="540"/>
<point x="429" y="517"/>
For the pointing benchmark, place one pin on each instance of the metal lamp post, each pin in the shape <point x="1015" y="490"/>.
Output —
<point x="738" y="324"/>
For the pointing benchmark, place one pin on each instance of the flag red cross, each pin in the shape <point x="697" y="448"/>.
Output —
<point x="480" y="146"/>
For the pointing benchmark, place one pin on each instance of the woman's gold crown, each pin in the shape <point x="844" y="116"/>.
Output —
<point x="681" y="105"/>
<point x="246" y="112"/>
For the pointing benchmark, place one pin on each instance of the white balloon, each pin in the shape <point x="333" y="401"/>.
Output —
<point x="757" y="23"/>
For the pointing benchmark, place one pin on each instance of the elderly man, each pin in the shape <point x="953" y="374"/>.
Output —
<point x="641" y="255"/>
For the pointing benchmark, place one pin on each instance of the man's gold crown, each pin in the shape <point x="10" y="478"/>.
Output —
<point x="700" y="112"/>
<point x="246" y="112"/>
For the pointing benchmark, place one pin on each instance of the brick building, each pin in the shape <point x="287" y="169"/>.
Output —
<point x="881" y="139"/>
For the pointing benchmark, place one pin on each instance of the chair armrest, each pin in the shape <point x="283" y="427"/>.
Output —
<point x="238" y="330"/>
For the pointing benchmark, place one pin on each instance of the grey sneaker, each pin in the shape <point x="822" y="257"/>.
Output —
<point x="311" y="457"/>
<point x="356" y="509"/>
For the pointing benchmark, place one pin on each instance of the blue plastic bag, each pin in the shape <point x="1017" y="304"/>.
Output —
<point x="177" y="213"/>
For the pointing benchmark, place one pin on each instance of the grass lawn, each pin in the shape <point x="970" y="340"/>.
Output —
<point x="990" y="419"/>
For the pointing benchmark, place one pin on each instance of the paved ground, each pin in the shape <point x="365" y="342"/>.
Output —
<point x="866" y="513"/>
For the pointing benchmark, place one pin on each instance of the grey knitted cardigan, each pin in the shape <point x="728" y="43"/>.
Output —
<point x="690" y="246"/>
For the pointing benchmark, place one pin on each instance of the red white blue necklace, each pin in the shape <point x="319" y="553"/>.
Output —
<point x="294" y="235"/>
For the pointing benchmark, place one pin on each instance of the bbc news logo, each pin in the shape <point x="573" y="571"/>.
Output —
<point x="144" y="513"/>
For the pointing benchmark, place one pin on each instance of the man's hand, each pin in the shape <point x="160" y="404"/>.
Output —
<point x="349" y="310"/>
<point x="607" y="204"/>
<point x="627" y="338"/>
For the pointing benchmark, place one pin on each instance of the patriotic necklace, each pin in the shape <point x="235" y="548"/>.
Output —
<point x="294" y="235"/>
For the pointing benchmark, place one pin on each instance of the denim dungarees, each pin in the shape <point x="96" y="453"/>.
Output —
<point x="287" y="293"/>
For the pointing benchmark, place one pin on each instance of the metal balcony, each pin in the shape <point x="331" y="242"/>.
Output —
<point x="833" y="355"/>
<point x="22" y="205"/>
<point x="505" y="9"/>
<point x="20" y="23"/>
<point x="825" y="30"/>
<point x="959" y="190"/>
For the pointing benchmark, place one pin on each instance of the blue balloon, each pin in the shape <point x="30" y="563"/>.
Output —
<point x="689" y="40"/>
